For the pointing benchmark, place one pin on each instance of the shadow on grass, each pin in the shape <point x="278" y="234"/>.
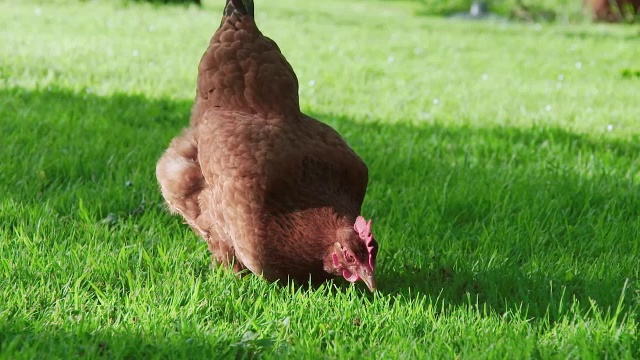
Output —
<point x="502" y="216"/>
<point x="66" y="147"/>
<point x="20" y="338"/>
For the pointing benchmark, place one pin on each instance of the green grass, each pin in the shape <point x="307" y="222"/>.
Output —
<point x="504" y="162"/>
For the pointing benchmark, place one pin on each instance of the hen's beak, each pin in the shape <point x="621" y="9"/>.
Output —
<point x="370" y="280"/>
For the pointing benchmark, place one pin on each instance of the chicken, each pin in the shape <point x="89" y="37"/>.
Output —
<point x="269" y="188"/>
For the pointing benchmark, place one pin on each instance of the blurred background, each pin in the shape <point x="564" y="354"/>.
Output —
<point x="527" y="10"/>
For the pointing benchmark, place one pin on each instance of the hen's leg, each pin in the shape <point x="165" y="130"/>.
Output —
<point x="222" y="253"/>
<point x="181" y="179"/>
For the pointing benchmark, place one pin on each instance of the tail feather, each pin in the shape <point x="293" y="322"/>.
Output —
<point x="244" y="7"/>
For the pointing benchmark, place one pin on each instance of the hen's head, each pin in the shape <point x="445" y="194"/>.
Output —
<point x="353" y="255"/>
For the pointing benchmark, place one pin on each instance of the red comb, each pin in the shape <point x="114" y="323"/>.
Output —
<point x="363" y="228"/>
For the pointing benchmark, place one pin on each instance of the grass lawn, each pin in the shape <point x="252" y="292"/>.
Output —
<point x="504" y="185"/>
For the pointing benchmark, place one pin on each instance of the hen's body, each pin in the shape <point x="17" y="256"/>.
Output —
<point x="266" y="186"/>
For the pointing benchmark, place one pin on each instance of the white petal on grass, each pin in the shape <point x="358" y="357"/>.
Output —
<point x="422" y="116"/>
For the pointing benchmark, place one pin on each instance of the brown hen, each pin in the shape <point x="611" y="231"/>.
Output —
<point x="269" y="188"/>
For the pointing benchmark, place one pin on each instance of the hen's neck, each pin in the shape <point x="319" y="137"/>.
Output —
<point x="244" y="71"/>
<point x="308" y="234"/>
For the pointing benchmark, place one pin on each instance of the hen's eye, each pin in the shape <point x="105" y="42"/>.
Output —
<point x="349" y="256"/>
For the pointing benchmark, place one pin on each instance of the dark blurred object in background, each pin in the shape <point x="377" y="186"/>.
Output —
<point x="478" y="10"/>
<point x="566" y="11"/>
<point x="613" y="10"/>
